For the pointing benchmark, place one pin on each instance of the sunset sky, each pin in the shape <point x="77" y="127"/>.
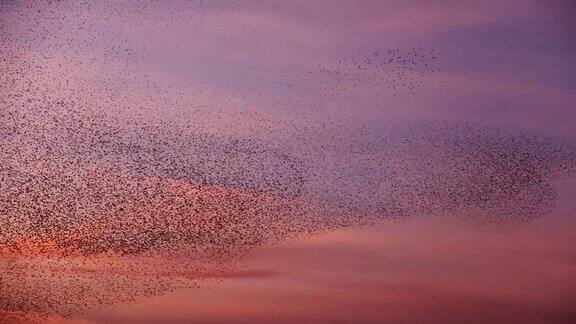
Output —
<point x="256" y="70"/>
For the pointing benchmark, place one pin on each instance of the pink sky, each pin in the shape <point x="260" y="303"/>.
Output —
<point x="420" y="271"/>
<point x="505" y="63"/>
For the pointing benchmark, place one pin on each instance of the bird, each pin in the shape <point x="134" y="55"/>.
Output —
<point x="118" y="183"/>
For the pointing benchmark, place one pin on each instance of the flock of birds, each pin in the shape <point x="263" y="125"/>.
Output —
<point x="116" y="184"/>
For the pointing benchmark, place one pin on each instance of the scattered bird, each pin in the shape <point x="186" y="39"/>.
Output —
<point x="117" y="184"/>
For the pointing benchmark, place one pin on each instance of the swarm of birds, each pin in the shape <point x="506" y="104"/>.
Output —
<point x="117" y="184"/>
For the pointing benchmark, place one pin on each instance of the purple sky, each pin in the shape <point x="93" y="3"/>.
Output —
<point x="247" y="68"/>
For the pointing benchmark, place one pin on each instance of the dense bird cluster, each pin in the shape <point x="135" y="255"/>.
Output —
<point x="117" y="183"/>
